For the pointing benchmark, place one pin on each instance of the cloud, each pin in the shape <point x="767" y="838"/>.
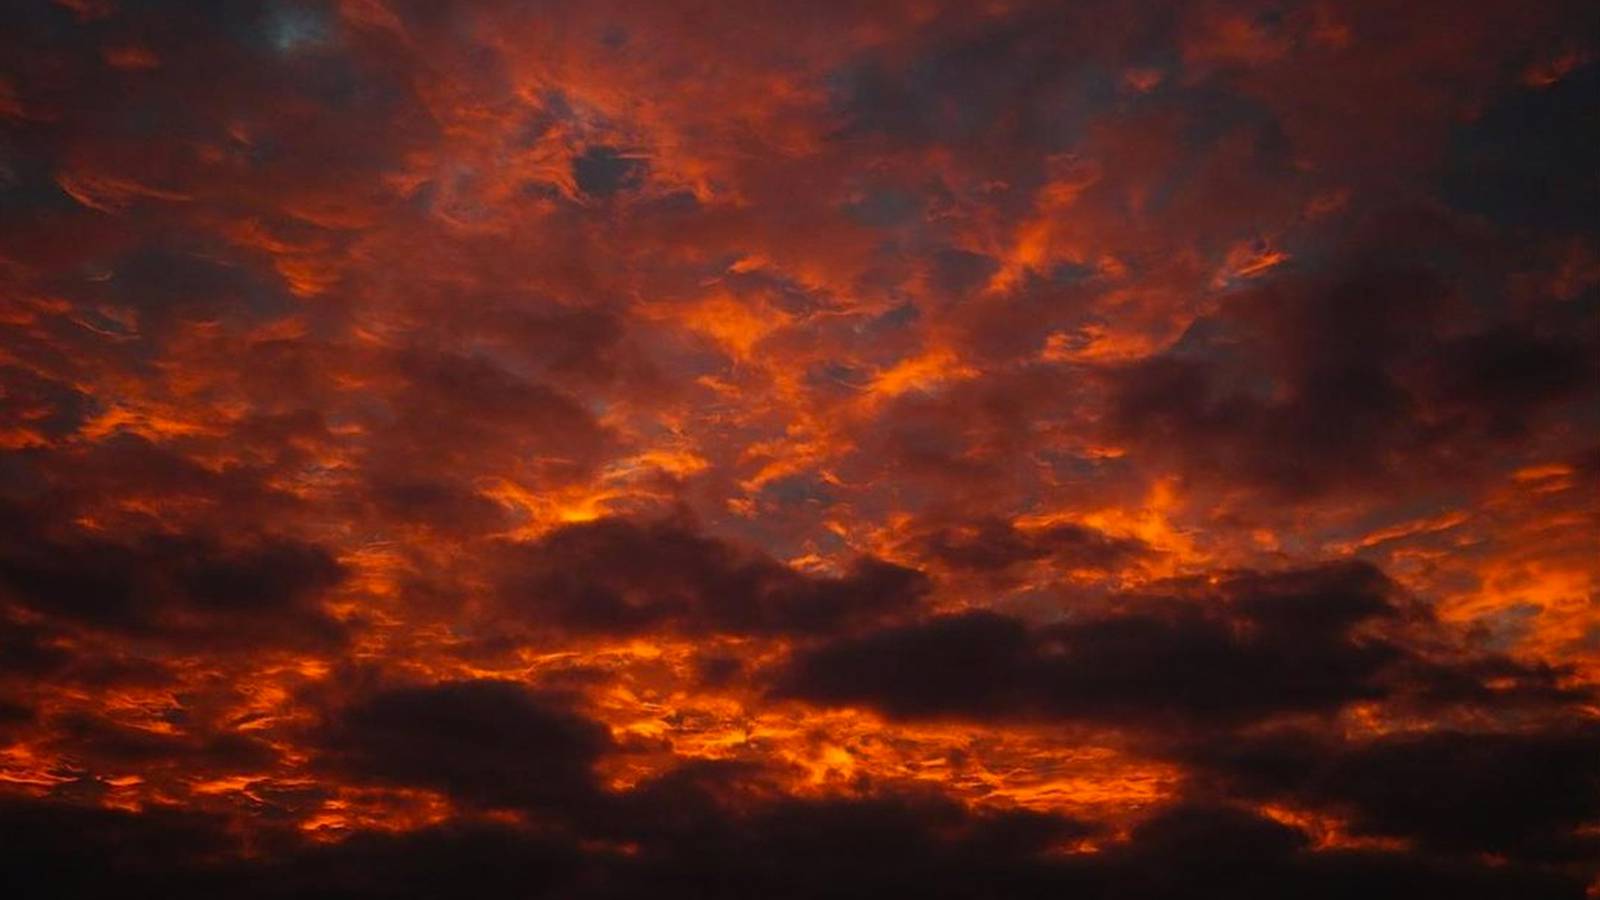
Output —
<point x="1523" y="794"/>
<point x="187" y="588"/>
<point x="1220" y="850"/>
<point x="620" y="576"/>
<point x="994" y="544"/>
<point x="1250" y="648"/>
<point x="486" y="743"/>
<point x="792" y="848"/>
<point x="603" y="171"/>
<point x="1520" y="163"/>
<point x="1357" y="376"/>
<point x="592" y="450"/>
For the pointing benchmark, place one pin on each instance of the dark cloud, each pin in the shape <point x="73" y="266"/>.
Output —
<point x="58" y="850"/>
<point x="31" y="403"/>
<point x="568" y="344"/>
<point x="1523" y="794"/>
<point x="1330" y="426"/>
<point x="995" y="544"/>
<point x="1263" y="645"/>
<point x="1208" y="850"/>
<point x="957" y="273"/>
<point x="1362" y="375"/>
<point x="969" y="665"/>
<point x="1253" y="647"/>
<point x="29" y="650"/>
<point x="622" y="576"/>
<point x="1502" y="378"/>
<point x="69" y="481"/>
<point x="1524" y="161"/>
<point x="182" y="587"/>
<point x="898" y="844"/>
<point x="98" y="744"/>
<point x="492" y="744"/>
<point x="1029" y="81"/>
<point x="167" y="280"/>
<point x="603" y="171"/>
<point x="497" y="418"/>
<point x="698" y="841"/>
<point x="462" y="860"/>
<point x="441" y="504"/>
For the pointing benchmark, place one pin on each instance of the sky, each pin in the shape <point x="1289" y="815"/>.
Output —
<point x="518" y="449"/>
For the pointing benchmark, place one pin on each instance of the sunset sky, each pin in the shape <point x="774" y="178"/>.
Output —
<point x="1108" y="449"/>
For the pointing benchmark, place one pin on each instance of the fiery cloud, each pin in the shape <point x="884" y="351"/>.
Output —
<point x="598" y="450"/>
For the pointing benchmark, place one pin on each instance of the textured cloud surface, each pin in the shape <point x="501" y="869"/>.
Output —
<point x="530" y="449"/>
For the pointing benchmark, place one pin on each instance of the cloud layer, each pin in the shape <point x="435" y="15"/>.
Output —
<point x="1121" y="450"/>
